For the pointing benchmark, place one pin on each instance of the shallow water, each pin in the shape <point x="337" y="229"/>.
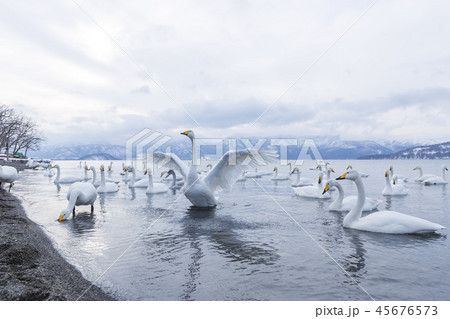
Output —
<point x="261" y="243"/>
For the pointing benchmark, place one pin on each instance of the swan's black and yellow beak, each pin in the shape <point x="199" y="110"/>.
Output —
<point x="393" y="181"/>
<point x="386" y="174"/>
<point x="320" y="180"/>
<point x="146" y="172"/>
<point x="347" y="167"/>
<point x="293" y="171"/>
<point x="327" y="187"/>
<point x="61" y="218"/>
<point x="331" y="170"/>
<point x="185" y="133"/>
<point x="415" y="168"/>
<point x="343" y="176"/>
<point x="274" y="169"/>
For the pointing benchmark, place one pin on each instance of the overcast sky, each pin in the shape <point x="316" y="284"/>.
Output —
<point x="222" y="63"/>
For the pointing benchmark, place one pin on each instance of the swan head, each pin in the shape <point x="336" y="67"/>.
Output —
<point x="189" y="134"/>
<point x="349" y="167"/>
<point x="146" y="172"/>
<point x="294" y="170"/>
<point x="444" y="167"/>
<point x="63" y="215"/>
<point x="209" y="165"/>
<point x="391" y="168"/>
<point x="329" y="185"/>
<point x="275" y="169"/>
<point x="319" y="181"/>
<point x="386" y="174"/>
<point x="102" y="168"/>
<point x="331" y="170"/>
<point x="351" y="174"/>
<point x="416" y="168"/>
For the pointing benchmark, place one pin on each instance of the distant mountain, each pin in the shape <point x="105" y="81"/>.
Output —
<point x="329" y="147"/>
<point x="435" y="151"/>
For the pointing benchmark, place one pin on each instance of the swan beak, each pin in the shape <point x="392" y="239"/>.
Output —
<point x="385" y="174"/>
<point x="162" y="174"/>
<point x="343" y="176"/>
<point x="293" y="171"/>
<point x="331" y="170"/>
<point x="274" y="169"/>
<point x="326" y="189"/>
<point x="348" y="167"/>
<point x="320" y="179"/>
<point x="61" y="217"/>
<point x="414" y="168"/>
<point x="393" y="181"/>
<point x="185" y="133"/>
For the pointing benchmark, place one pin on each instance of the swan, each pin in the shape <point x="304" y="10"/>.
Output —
<point x="110" y="167"/>
<point x="363" y="175"/>
<point x="437" y="180"/>
<point x="174" y="184"/>
<point x="422" y="176"/>
<point x="301" y="181"/>
<point x="315" y="191"/>
<point x="135" y="183"/>
<point x="65" y="179"/>
<point x="342" y="204"/>
<point x="105" y="187"/>
<point x="8" y="174"/>
<point x="393" y="189"/>
<point x="389" y="222"/>
<point x="155" y="188"/>
<point x="391" y="171"/>
<point x="199" y="190"/>
<point x="254" y="174"/>
<point x="280" y="177"/>
<point x="79" y="194"/>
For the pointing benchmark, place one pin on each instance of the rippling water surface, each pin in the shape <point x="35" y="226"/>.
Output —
<point x="140" y="247"/>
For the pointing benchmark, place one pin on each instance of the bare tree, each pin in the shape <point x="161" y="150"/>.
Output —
<point x="17" y="132"/>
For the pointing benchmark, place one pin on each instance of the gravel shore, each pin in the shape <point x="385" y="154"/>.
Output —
<point x="30" y="267"/>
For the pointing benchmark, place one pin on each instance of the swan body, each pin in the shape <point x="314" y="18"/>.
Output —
<point x="389" y="222"/>
<point x="279" y="177"/>
<point x="155" y="188"/>
<point x="79" y="194"/>
<point x="174" y="184"/>
<point x="342" y="204"/>
<point x="393" y="189"/>
<point x="8" y="174"/>
<point x="437" y="180"/>
<point x="105" y="187"/>
<point x="65" y="179"/>
<point x="200" y="190"/>
<point x="134" y="183"/>
<point x="315" y="191"/>
<point x="301" y="181"/>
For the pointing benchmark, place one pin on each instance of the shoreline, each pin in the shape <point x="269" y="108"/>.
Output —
<point x="30" y="266"/>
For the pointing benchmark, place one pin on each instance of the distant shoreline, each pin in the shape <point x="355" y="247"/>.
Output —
<point x="30" y="267"/>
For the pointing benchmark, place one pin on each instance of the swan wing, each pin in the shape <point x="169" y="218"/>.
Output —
<point x="172" y="161"/>
<point x="230" y="167"/>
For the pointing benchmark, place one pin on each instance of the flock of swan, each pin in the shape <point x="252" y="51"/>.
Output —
<point x="200" y="187"/>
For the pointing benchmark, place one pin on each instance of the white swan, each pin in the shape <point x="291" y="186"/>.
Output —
<point x="174" y="184"/>
<point x="279" y="177"/>
<point x="315" y="191"/>
<point x="154" y="188"/>
<point x="105" y="187"/>
<point x="393" y="189"/>
<point x="389" y="222"/>
<point x="110" y="167"/>
<point x="363" y="175"/>
<point x="422" y="176"/>
<point x="342" y="204"/>
<point x="391" y="171"/>
<point x="65" y="179"/>
<point x="134" y="183"/>
<point x="254" y="174"/>
<point x="8" y="174"/>
<point x="79" y="194"/>
<point x="437" y="180"/>
<point x="301" y="181"/>
<point x="200" y="190"/>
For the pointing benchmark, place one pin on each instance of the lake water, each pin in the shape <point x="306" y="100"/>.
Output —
<point x="139" y="247"/>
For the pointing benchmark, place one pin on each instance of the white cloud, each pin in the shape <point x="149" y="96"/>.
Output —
<point x="225" y="63"/>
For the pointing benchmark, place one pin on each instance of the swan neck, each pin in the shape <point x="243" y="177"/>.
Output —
<point x="355" y="213"/>
<point x="58" y="174"/>
<point x="102" y="178"/>
<point x="73" y="199"/>
<point x="94" y="176"/>
<point x="388" y="183"/>
<point x="420" y="171"/>
<point x="150" y="180"/>
<point x="174" y="179"/>
<point x="194" y="152"/>
<point x="443" y="173"/>
<point x="298" y="177"/>
<point x="340" y="194"/>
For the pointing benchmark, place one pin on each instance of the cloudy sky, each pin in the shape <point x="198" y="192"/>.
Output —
<point x="99" y="71"/>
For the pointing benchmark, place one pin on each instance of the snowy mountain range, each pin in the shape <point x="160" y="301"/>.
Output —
<point x="329" y="147"/>
<point x="435" y="151"/>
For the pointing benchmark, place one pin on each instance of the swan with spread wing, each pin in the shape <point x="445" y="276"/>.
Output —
<point x="200" y="190"/>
